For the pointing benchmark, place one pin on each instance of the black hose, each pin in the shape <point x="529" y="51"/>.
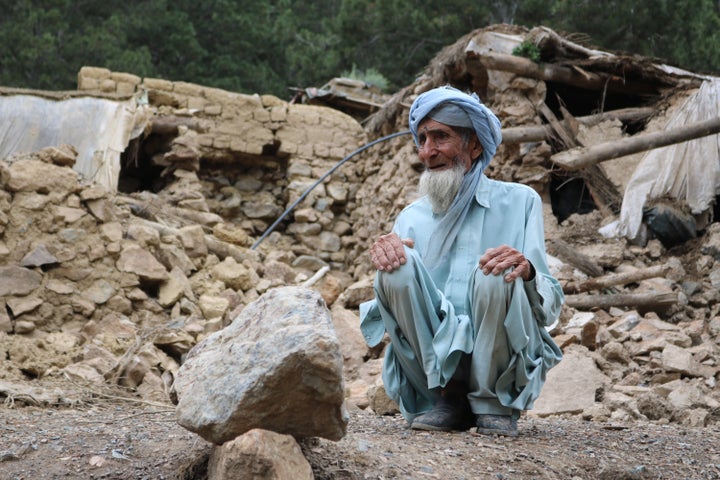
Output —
<point x="320" y="180"/>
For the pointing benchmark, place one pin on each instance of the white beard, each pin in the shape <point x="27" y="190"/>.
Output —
<point x="441" y="187"/>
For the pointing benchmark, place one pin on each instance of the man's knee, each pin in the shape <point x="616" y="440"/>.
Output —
<point x="400" y="277"/>
<point x="490" y="288"/>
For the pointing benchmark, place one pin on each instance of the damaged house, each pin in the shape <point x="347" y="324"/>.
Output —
<point x="191" y="202"/>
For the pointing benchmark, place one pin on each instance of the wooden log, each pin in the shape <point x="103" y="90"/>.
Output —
<point x="644" y="301"/>
<point x="477" y="63"/>
<point x="580" y="158"/>
<point x="607" y="281"/>
<point x="169" y="125"/>
<point x="533" y="133"/>
<point x="568" y="254"/>
<point x="538" y="133"/>
<point x="547" y="39"/>
<point x="154" y="208"/>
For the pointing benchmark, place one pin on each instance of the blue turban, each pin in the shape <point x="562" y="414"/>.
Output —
<point x="487" y="129"/>
<point x="484" y="121"/>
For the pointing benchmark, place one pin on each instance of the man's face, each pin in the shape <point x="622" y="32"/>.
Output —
<point x="440" y="147"/>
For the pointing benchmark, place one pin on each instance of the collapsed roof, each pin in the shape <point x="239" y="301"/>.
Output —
<point x="550" y="92"/>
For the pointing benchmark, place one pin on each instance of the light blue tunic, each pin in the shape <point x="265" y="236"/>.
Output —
<point x="457" y="321"/>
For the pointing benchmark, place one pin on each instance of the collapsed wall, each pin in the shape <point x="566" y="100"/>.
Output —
<point x="117" y="286"/>
<point x="255" y="155"/>
<point x="92" y="291"/>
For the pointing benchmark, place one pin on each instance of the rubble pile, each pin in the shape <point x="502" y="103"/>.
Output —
<point x="118" y="286"/>
<point x="255" y="154"/>
<point x="96" y="293"/>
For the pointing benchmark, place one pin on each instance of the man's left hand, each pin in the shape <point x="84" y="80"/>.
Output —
<point x="497" y="260"/>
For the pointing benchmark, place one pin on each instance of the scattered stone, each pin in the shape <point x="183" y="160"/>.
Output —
<point x="260" y="455"/>
<point x="39" y="257"/>
<point x="379" y="401"/>
<point x="16" y="280"/>
<point x="136" y="260"/>
<point x="571" y="385"/>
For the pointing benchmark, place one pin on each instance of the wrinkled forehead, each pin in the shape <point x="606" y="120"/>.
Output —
<point x="428" y="124"/>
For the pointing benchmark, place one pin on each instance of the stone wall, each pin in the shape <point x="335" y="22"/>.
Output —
<point x="254" y="155"/>
<point x="93" y="291"/>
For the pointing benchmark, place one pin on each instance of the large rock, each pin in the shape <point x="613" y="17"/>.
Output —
<point x="259" y="455"/>
<point x="30" y="175"/>
<point x="571" y="385"/>
<point x="277" y="366"/>
<point x="18" y="280"/>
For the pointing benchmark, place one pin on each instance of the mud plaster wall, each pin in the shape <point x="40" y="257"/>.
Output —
<point x="254" y="155"/>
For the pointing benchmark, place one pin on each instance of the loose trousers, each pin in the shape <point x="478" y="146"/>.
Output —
<point x="498" y="349"/>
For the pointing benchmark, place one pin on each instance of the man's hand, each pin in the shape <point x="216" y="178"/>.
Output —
<point x="387" y="253"/>
<point x="497" y="260"/>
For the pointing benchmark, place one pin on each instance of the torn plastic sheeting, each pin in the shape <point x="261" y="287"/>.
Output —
<point x="688" y="172"/>
<point x="99" y="129"/>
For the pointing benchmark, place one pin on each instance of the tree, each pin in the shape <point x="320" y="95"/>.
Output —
<point x="682" y="32"/>
<point x="267" y="47"/>
<point x="399" y="37"/>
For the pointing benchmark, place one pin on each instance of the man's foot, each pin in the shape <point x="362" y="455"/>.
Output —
<point x="496" y="425"/>
<point x="451" y="412"/>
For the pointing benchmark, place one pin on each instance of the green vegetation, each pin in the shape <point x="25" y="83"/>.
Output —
<point x="369" y="76"/>
<point x="267" y="47"/>
<point x="529" y="50"/>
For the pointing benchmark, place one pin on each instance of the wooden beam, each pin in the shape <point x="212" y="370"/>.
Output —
<point x="477" y="63"/>
<point x="538" y="133"/>
<point x="579" y="158"/>
<point x="647" y="301"/>
<point x="608" y="281"/>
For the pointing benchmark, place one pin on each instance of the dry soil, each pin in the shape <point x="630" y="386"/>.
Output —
<point x="109" y="435"/>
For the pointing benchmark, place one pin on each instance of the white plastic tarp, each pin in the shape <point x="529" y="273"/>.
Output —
<point x="99" y="129"/>
<point x="688" y="172"/>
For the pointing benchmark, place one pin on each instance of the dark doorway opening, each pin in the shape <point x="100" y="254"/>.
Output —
<point x="568" y="195"/>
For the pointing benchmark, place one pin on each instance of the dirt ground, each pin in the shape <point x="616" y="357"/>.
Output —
<point x="108" y="435"/>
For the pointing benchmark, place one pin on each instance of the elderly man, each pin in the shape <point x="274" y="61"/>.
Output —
<point x="463" y="288"/>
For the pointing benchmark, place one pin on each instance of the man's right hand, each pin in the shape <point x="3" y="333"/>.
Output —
<point x="388" y="252"/>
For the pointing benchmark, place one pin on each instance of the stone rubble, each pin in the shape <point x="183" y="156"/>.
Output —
<point x="128" y="288"/>
<point x="112" y="298"/>
<point x="259" y="454"/>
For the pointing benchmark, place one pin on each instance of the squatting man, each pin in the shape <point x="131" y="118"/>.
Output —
<point x="462" y="287"/>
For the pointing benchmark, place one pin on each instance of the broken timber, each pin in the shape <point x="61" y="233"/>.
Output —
<point x="607" y="281"/>
<point x="646" y="301"/>
<point x="478" y="62"/>
<point x="537" y="133"/>
<point x="567" y="253"/>
<point x="579" y="158"/>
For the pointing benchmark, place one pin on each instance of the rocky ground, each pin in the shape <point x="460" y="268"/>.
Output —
<point x="103" y="294"/>
<point x="110" y="435"/>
